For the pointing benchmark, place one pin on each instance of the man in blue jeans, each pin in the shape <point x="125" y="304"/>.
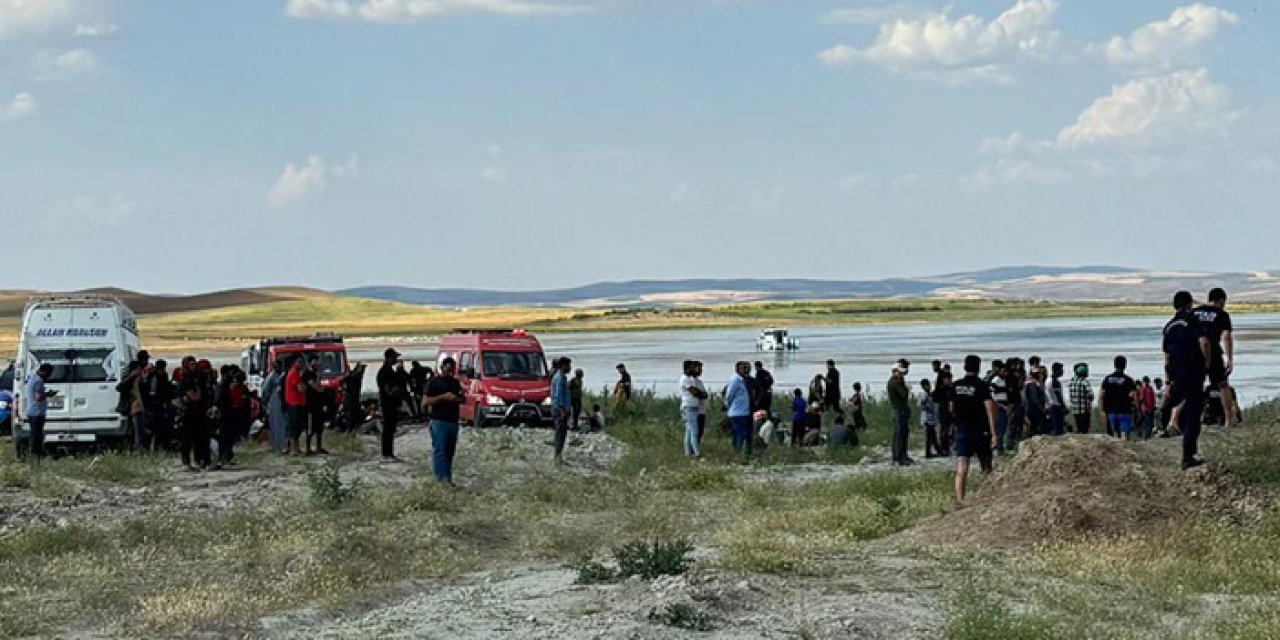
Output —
<point x="737" y="399"/>
<point x="443" y="399"/>
<point x="37" y="407"/>
<point x="561" y="404"/>
<point x="900" y="401"/>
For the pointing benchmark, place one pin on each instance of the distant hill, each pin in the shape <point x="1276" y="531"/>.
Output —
<point x="1057" y="284"/>
<point x="12" y="302"/>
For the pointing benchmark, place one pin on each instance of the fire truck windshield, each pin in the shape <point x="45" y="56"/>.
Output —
<point x="331" y="362"/>
<point x="524" y="366"/>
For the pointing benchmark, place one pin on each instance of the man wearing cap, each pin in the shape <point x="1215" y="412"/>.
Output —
<point x="390" y="396"/>
<point x="1187" y="351"/>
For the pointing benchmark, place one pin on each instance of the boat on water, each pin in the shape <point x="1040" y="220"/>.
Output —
<point x="776" y="339"/>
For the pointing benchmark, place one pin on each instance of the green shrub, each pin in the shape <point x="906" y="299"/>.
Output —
<point x="327" y="490"/>
<point x="592" y="572"/>
<point x="652" y="559"/>
<point x="681" y="616"/>
<point x="15" y="475"/>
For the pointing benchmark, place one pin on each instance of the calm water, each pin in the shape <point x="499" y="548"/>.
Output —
<point x="867" y="354"/>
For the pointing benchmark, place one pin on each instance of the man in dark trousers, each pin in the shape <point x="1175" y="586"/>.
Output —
<point x="975" y="415"/>
<point x="1187" y="350"/>
<point x="391" y="396"/>
<point x="764" y="380"/>
<point x="900" y="401"/>
<point x="1222" y="349"/>
<point x="443" y="398"/>
<point x="831" y="399"/>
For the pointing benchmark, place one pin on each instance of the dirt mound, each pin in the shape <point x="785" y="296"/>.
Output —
<point x="1061" y="488"/>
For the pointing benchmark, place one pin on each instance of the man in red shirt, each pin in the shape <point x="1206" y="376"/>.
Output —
<point x="1147" y="405"/>
<point x="295" y="400"/>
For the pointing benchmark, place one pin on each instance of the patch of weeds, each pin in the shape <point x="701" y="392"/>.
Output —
<point x="974" y="616"/>
<point x="327" y="490"/>
<point x="697" y="478"/>
<point x="682" y="616"/>
<point x="132" y="469"/>
<point x="592" y="572"/>
<point x="45" y="541"/>
<point x="48" y="486"/>
<point x="16" y="476"/>
<point x="750" y="549"/>
<point x="652" y="559"/>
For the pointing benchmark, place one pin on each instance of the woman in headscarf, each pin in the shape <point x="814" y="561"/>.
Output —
<point x="273" y="393"/>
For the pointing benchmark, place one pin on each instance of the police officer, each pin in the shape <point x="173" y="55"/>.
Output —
<point x="1186" y="353"/>
<point x="1217" y="326"/>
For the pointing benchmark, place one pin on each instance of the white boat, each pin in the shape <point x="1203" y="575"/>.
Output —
<point x="776" y="340"/>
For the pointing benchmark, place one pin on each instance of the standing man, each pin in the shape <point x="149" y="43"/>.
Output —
<point x="37" y="410"/>
<point x="831" y="399"/>
<point x="315" y="407"/>
<point x="417" y="385"/>
<point x="1187" y="350"/>
<point x="575" y="394"/>
<point x="1057" y="402"/>
<point x="391" y="397"/>
<point x="561" y="405"/>
<point x="999" y="387"/>
<point x="1119" y="397"/>
<point x="295" y="401"/>
<point x="691" y="396"/>
<point x="1081" y="398"/>
<point x="696" y="371"/>
<point x="1216" y="322"/>
<point x="942" y="400"/>
<point x="764" y="381"/>
<point x="975" y="414"/>
<point x="900" y="401"/>
<point x="737" y="399"/>
<point x="444" y="398"/>
<point x="622" y="388"/>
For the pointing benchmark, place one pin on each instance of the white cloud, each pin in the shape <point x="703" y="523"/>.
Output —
<point x="52" y="65"/>
<point x="1168" y="43"/>
<point x="959" y="50"/>
<point x="96" y="30"/>
<point x="868" y="15"/>
<point x="493" y="174"/>
<point x="21" y="106"/>
<point x="110" y="211"/>
<point x="22" y="17"/>
<point x="1144" y="127"/>
<point x="390" y="11"/>
<point x="299" y="181"/>
<point x="1145" y="108"/>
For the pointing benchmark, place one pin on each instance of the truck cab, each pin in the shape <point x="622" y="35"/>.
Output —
<point x="328" y="349"/>
<point x="504" y="373"/>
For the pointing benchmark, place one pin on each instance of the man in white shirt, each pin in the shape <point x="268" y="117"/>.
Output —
<point x="692" y="396"/>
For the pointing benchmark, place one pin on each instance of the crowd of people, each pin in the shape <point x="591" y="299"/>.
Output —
<point x="204" y="413"/>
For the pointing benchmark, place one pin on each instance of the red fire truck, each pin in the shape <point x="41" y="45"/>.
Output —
<point x="327" y="348"/>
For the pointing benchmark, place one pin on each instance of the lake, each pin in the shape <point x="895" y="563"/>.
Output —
<point x="867" y="353"/>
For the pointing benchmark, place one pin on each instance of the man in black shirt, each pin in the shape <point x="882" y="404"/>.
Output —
<point x="417" y="385"/>
<point x="443" y="398"/>
<point x="1217" y="326"/>
<point x="1119" y="397"/>
<point x="1186" y="350"/>
<point x="391" y="398"/>
<point x="975" y="415"/>
<point x="831" y="399"/>
<point x="764" y="380"/>
<point x="315" y="407"/>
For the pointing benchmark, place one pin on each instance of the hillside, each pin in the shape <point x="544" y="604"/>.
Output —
<point x="12" y="302"/>
<point x="1026" y="283"/>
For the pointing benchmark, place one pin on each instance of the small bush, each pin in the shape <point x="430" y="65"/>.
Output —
<point x="975" y="616"/>
<point x="681" y="616"/>
<point x="650" y="560"/>
<point x="17" y="476"/>
<point x="697" y="478"/>
<point x="592" y="572"/>
<point x="327" y="490"/>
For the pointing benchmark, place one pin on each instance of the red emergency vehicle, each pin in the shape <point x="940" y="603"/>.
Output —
<point x="327" y="348"/>
<point x="504" y="373"/>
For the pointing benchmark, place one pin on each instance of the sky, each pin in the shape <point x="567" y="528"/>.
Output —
<point x="524" y="144"/>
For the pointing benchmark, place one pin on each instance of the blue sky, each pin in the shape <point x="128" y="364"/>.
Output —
<point x="188" y="146"/>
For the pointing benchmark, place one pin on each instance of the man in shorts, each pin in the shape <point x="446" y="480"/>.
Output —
<point x="1119" y="397"/>
<point x="975" y="418"/>
<point x="1217" y="326"/>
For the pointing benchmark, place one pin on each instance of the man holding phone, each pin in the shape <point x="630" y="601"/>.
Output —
<point x="444" y="398"/>
<point x="37" y="407"/>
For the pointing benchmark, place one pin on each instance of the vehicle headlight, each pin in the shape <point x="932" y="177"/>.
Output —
<point x="547" y="401"/>
<point x="495" y="400"/>
<point x="4" y="404"/>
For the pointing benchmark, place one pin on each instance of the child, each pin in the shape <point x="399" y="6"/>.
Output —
<point x="799" y="416"/>
<point x="929" y="419"/>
